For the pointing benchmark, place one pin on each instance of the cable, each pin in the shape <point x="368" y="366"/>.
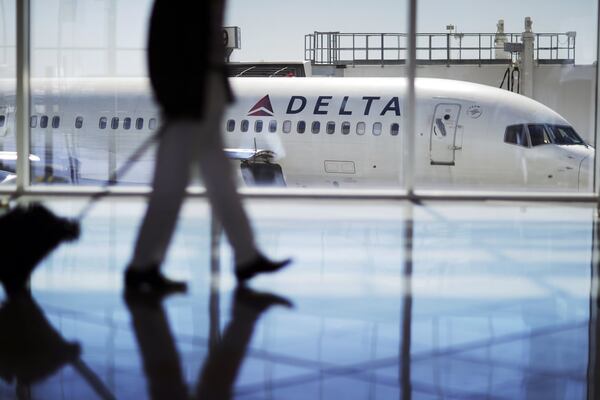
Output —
<point x="504" y="78"/>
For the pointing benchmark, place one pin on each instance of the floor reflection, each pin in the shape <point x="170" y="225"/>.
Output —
<point x="431" y="301"/>
<point x="31" y="349"/>
<point x="161" y="360"/>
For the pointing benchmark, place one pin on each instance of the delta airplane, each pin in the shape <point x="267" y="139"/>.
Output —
<point x="311" y="132"/>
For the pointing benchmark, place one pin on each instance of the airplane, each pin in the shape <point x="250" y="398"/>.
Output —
<point x="311" y="132"/>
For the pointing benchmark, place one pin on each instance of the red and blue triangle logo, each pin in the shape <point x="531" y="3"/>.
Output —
<point x="262" y="109"/>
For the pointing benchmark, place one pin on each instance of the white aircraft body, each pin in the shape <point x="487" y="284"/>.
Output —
<point x="312" y="132"/>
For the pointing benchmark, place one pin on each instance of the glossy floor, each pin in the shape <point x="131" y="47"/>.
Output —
<point x="465" y="301"/>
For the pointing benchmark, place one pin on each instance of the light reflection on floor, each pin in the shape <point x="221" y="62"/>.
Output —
<point x="499" y="305"/>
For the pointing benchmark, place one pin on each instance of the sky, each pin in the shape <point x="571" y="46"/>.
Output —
<point x="272" y="30"/>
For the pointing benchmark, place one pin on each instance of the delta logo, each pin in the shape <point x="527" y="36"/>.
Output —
<point x="263" y="108"/>
<point x="324" y="105"/>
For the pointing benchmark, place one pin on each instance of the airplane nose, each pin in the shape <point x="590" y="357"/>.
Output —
<point x="585" y="175"/>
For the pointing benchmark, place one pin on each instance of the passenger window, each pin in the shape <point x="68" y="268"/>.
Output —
<point x="330" y="128"/>
<point x="79" y="122"/>
<point x="287" y="126"/>
<point x="230" y="125"/>
<point x="55" y="122"/>
<point x="516" y="135"/>
<point x="377" y="128"/>
<point x="315" y="127"/>
<point x="2" y="120"/>
<point x="152" y="124"/>
<point x="360" y="128"/>
<point x="395" y="129"/>
<point x="301" y="127"/>
<point x="127" y="123"/>
<point x="102" y="123"/>
<point x="33" y="121"/>
<point x="272" y="126"/>
<point x="345" y="128"/>
<point x="114" y="123"/>
<point x="44" y="121"/>
<point x="139" y="123"/>
<point x="258" y="125"/>
<point x="245" y="125"/>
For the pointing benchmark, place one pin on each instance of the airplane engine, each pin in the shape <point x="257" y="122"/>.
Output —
<point x="262" y="174"/>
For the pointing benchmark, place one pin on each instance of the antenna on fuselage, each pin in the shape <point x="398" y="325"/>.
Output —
<point x="255" y="150"/>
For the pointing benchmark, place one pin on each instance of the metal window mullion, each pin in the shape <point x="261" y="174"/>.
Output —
<point x="410" y="98"/>
<point x="23" y="94"/>
<point x="597" y="112"/>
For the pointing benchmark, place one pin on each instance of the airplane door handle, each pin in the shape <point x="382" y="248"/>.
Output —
<point x="455" y="147"/>
<point x="440" y="126"/>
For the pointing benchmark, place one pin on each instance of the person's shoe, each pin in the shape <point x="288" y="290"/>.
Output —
<point x="258" y="302"/>
<point x="259" y="265"/>
<point x="151" y="281"/>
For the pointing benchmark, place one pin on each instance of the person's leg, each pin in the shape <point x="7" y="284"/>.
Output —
<point x="157" y="349"/>
<point x="221" y="367"/>
<point x="226" y="204"/>
<point x="220" y="187"/>
<point x="171" y="177"/>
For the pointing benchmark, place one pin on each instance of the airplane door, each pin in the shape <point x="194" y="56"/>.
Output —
<point x="443" y="134"/>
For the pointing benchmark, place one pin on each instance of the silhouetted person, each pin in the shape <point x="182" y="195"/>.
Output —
<point x="223" y="363"/>
<point x="187" y="72"/>
<point x="30" y="348"/>
<point x="162" y="365"/>
<point x="161" y="360"/>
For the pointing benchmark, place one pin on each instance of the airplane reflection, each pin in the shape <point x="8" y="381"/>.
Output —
<point x="161" y="360"/>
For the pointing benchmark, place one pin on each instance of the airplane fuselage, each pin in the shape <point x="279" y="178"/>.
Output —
<point x="321" y="132"/>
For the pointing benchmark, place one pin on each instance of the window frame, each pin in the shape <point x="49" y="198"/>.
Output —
<point x="286" y="127"/>
<point x="377" y="129"/>
<point x="230" y="125"/>
<point x="330" y="127"/>
<point x="244" y="125"/>
<point x="361" y="128"/>
<point x="259" y="126"/>
<point x="525" y="133"/>
<point x="272" y="126"/>
<point x="346" y="128"/>
<point x="299" y="130"/>
<point x="315" y="127"/>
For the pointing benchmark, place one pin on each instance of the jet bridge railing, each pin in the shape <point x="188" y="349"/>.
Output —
<point x="337" y="48"/>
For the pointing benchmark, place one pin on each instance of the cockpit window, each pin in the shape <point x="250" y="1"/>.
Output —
<point x="516" y="135"/>
<point x="564" y="135"/>
<point x="555" y="134"/>
<point x="538" y="135"/>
